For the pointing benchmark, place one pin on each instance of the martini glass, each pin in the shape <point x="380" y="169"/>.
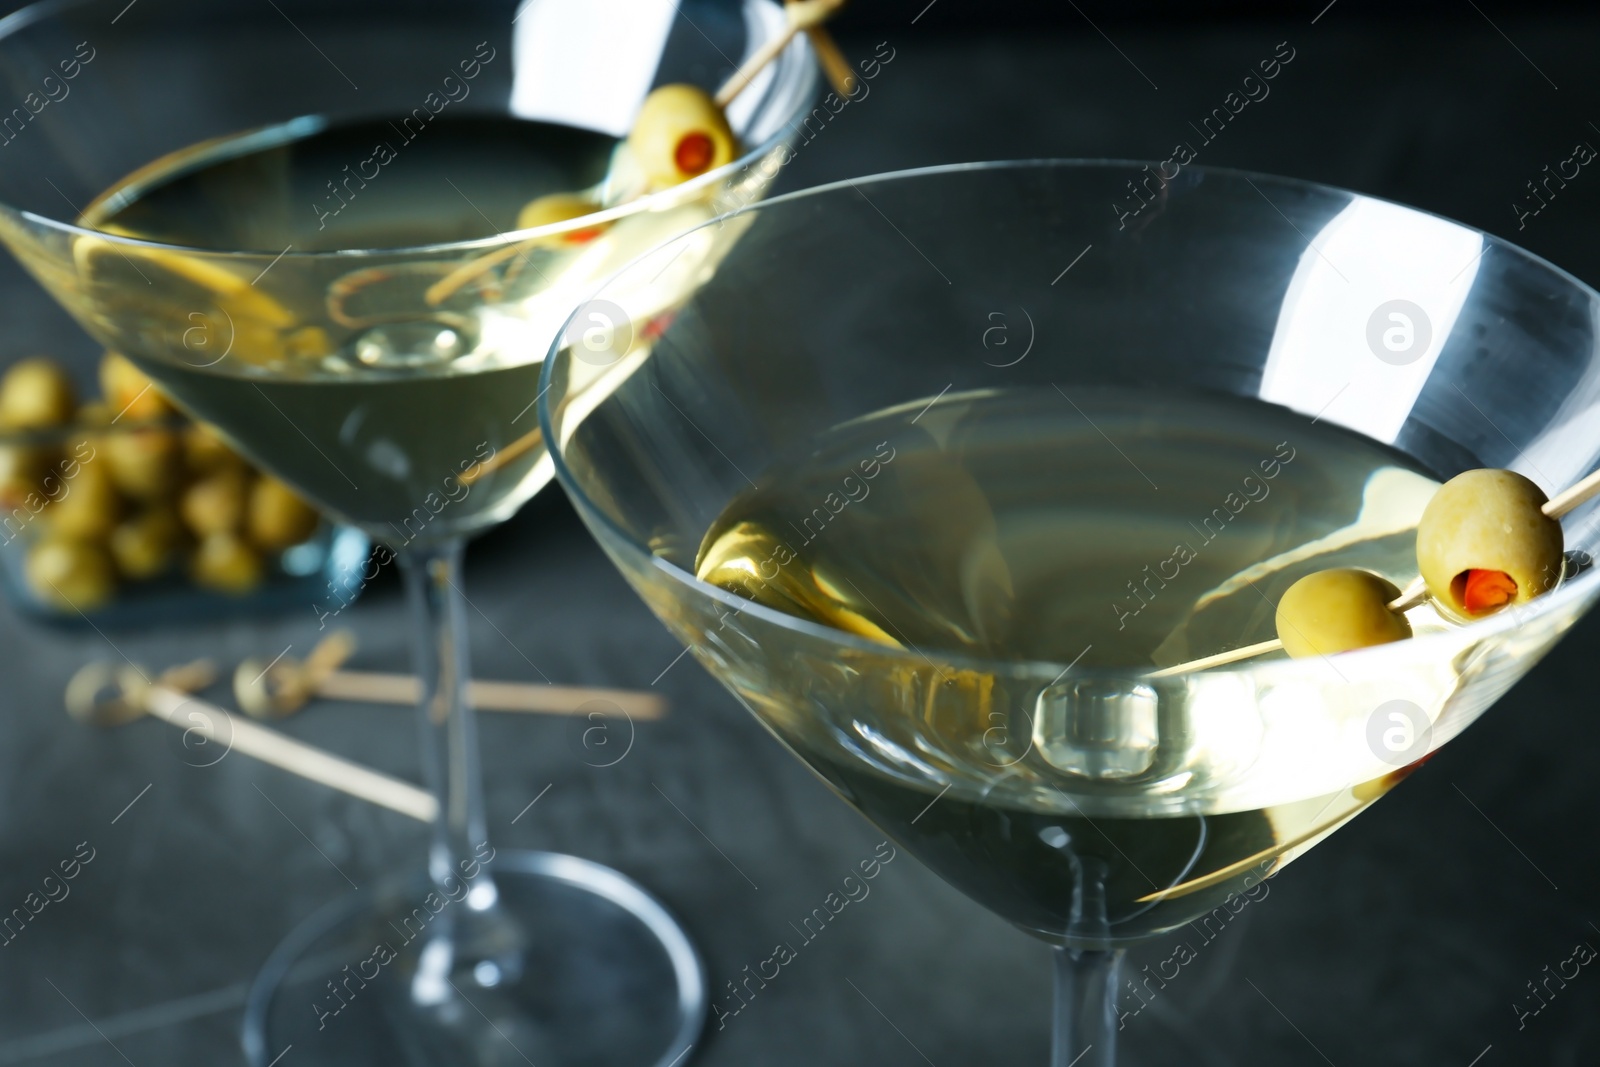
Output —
<point x="344" y="293"/>
<point x="932" y="438"/>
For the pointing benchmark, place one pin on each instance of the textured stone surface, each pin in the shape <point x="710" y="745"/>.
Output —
<point x="1405" y="939"/>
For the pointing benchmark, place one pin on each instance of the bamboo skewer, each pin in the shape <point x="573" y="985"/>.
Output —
<point x="1413" y="594"/>
<point x="109" y="694"/>
<point x="376" y="688"/>
<point x="1564" y="502"/>
<point x="284" y="686"/>
<point x="1233" y="655"/>
<point x="832" y="60"/>
<point x="529" y="441"/>
<point x="166" y="699"/>
<point x="446" y="287"/>
<point x="804" y="16"/>
<point x="297" y="757"/>
<point x="1574" y="495"/>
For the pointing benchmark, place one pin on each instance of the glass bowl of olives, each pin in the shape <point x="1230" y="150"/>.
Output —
<point x="118" y="510"/>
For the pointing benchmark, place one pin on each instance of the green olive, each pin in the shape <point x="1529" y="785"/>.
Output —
<point x="1338" y="610"/>
<point x="20" y="469"/>
<point x="276" y="517"/>
<point x="680" y="133"/>
<point x="84" y="443"/>
<point x="734" y="560"/>
<point x="144" y="464"/>
<point x="129" y="393"/>
<point x="215" y="503"/>
<point x="70" y="575"/>
<point x="34" y="394"/>
<point x="224" y="562"/>
<point x="205" y="452"/>
<point x="143" y="546"/>
<point x="95" y="413"/>
<point x="85" y="506"/>
<point x="559" y="207"/>
<point x="1484" y="541"/>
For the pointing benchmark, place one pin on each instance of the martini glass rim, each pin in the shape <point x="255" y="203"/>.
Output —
<point x="1585" y="587"/>
<point x="802" y="90"/>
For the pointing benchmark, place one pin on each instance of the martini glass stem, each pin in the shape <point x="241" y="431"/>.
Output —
<point x="1085" y="1027"/>
<point x="448" y="728"/>
<point x="471" y="930"/>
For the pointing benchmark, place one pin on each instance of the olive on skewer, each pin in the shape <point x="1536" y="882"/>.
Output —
<point x="558" y="207"/>
<point x="1484" y="541"/>
<point x="680" y="133"/>
<point x="1338" y="610"/>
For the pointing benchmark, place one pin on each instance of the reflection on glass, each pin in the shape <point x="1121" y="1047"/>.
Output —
<point x="1370" y="306"/>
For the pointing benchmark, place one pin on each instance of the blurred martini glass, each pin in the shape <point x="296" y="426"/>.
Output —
<point x="307" y="224"/>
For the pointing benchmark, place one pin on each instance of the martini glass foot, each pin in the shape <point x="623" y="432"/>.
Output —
<point x="607" y="977"/>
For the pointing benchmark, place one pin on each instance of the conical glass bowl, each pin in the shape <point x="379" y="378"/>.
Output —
<point x="1093" y="802"/>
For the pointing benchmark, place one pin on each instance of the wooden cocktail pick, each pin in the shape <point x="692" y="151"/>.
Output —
<point x="518" y="448"/>
<point x="100" y="693"/>
<point x="804" y="17"/>
<point x="1563" y="502"/>
<point x="283" y="687"/>
<point x="829" y="55"/>
<point x="109" y="694"/>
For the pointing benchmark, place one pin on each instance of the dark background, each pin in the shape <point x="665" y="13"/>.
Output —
<point x="1405" y="939"/>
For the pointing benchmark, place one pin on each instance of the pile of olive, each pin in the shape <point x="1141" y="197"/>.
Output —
<point x="123" y="490"/>
<point x="1484" y="543"/>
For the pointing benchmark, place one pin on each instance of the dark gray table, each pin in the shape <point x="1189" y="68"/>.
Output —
<point x="1405" y="939"/>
